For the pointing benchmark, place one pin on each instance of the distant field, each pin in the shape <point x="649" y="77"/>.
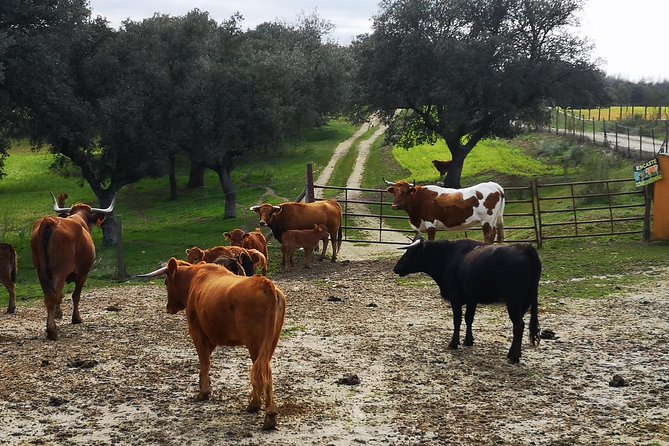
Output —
<point x="623" y="112"/>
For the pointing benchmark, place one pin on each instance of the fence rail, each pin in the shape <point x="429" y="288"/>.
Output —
<point x="534" y="213"/>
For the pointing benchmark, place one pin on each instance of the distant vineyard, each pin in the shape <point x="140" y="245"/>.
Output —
<point x="623" y="112"/>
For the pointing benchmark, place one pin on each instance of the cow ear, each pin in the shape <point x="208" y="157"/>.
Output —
<point x="226" y="235"/>
<point x="391" y="189"/>
<point x="172" y="266"/>
<point x="277" y="210"/>
<point x="187" y="251"/>
<point x="246" y="235"/>
<point x="412" y="190"/>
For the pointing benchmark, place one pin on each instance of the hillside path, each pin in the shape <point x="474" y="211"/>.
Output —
<point x="350" y="250"/>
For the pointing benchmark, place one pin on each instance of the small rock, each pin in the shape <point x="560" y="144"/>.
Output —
<point x="56" y="401"/>
<point x="350" y="379"/>
<point x="82" y="363"/>
<point x="334" y="299"/>
<point x="547" y="334"/>
<point x="339" y="285"/>
<point x="113" y="308"/>
<point x="372" y="305"/>
<point x="618" y="381"/>
<point x="45" y="363"/>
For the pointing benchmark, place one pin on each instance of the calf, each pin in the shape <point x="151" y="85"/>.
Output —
<point x="469" y="272"/>
<point x="442" y="166"/>
<point x="241" y="255"/>
<point x="259" y="261"/>
<point x="249" y="240"/>
<point x="302" y="238"/>
<point x="8" y="270"/>
<point x="224" y="309"/>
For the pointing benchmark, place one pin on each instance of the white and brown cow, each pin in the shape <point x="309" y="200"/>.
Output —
<point x="434" y="208"/>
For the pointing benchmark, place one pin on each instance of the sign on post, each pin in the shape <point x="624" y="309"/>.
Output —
<point x="646" y="173"/>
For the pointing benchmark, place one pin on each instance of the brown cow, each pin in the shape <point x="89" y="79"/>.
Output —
<point x="434" y="208"/>
<point x="442" y="166"/>
<point x="302" y="238"/>
<point x="293" y="215"/>
<point x="223" y="309"/>
<point x="259" y="261"/>
<point x="63" y="251"/>
<point x="8" y="269"/>
<point x="249" y="240"/>
<point x="241" y="255"/>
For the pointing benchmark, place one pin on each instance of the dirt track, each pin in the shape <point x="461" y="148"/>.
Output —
<point x="130" y="376"/>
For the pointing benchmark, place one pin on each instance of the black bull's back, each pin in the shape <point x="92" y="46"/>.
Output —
<point x="498" y="273"/>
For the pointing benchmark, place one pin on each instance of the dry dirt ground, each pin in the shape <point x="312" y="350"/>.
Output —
<point x="128" y="374"/>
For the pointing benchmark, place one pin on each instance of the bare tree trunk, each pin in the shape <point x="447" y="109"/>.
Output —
<point x="229" y="191"/>
<point x="109" y="233"/>
<point x="454" y="173"/>
<point x="195" y="177"/>
<point x="173" y="180"/>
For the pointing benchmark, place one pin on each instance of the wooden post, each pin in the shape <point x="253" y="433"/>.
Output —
<point x="629" y="148"/>
<point x="121" y="271"/>
<point x="640" y="142"/>
<point x="536" y="212"/>
<point x="310" y="196"/>
<point x="593" y="131"/>
<point x="609" y="113"/>
<point x="646" y="216"/>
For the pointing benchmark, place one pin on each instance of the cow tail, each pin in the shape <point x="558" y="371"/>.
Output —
<point x="500" y="220"/>
<point x="339" y="236"/>
<point x="44" y="237"/>
<point x="15" y="266"/>
<point x="534" y="294"/>
<point x="261" y="370"/>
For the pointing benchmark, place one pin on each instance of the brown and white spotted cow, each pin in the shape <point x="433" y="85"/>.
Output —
<point x="434" y="208"/>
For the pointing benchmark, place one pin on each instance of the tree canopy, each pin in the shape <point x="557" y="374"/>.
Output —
<point x="463" y="70"/>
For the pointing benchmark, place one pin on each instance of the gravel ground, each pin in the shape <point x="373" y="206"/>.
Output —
<point x="128" y="374"/>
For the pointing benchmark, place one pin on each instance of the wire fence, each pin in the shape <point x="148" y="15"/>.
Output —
<point x="641" y="141"/>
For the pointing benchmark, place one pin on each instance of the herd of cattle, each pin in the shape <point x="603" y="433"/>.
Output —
<point x="227" y="304"/>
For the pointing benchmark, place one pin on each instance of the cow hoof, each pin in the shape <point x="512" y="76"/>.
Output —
<point x="453" y="346"/>
<point x="468" y="342"/>
<point x="513" y="360"/>
<point x="253" y="408"/>
<point x="270" y="423"/>
<point x="11" y="310"/>
<point x="76" y="320"/>
<point x="52" y="335"/>
<point x="202" y="396"/>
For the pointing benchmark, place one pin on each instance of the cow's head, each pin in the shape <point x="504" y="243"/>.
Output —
<point x="321" y="231"/>
<point x="92" y="216"/>
<point x="402" y="192"/>
<point x="177" y="292"/>
<point x="412" y="259"/>
<point x="236" y="237"/>
<point x="266" y="213"/>
<point x="195" y="254"/>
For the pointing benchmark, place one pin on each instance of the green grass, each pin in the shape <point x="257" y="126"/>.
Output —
<point x="156" y="228"/>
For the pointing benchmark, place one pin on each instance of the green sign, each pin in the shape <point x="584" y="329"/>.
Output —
<point x="646" y="173"/>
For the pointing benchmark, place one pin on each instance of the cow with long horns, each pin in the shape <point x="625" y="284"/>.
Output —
<point x="63" y="251"/>
<point x="224" y="309"/>
<point x="434" y="208"/>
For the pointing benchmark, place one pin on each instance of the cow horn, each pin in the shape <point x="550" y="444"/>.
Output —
<point x="254" y="208"/>
<point x="389" y="183"/>
<point x="276" y="208"/>
<point x="156" y="273"/>
<point x="414" y="243"/>
<point x="109" y="210"/>
<point x="57" y="208"/>
<point x="414" y="183"/>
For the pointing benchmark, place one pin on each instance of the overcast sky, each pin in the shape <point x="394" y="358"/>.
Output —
<point x="631" y="37"/>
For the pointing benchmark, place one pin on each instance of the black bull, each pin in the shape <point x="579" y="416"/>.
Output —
<point x="469" y="272"/>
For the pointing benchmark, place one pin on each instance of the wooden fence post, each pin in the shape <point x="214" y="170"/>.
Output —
<point x="310" y="196"/>
<point x="121" y="271"/>
<point x="646" y="216"/>
<point x="536" y="210"/>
